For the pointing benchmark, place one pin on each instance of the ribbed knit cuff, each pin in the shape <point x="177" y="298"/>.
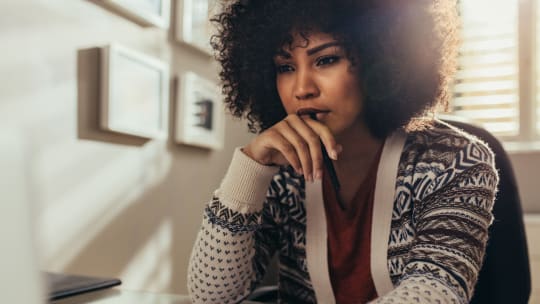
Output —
<point x="245" y="184"/>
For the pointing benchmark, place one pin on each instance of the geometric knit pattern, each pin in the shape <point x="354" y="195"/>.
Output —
<point x="444" y="194"/>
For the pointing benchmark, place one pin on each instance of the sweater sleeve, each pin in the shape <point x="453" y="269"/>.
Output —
<point x="452" y="219"/>
<point x="228" y="258"/>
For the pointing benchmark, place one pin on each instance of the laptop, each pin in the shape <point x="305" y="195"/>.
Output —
<point x="65" y="285"/>
<point x="20" y="278"/>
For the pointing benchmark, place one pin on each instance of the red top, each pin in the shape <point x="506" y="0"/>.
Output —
<point x="349" y="237"/>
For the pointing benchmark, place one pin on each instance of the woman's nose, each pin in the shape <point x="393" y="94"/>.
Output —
<point x="305" y="86"/>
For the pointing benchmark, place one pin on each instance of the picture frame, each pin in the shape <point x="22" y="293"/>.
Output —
<point x="193" y="26"/>
<point x="146" y="13"/>
<point x="200" y="116"/>
<point x="134" y="93"/>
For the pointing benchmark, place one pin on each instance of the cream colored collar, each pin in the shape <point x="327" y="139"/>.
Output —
<point x="316" y="231"/>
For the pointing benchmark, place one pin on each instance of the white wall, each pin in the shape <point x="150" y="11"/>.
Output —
<point x="129" y="211"/>
<point x="527" y="169"/>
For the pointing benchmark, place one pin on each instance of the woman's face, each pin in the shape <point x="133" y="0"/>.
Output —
<point x="316" y="75"/>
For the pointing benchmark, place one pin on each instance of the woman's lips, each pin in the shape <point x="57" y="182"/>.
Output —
<point x="312" y="112"/>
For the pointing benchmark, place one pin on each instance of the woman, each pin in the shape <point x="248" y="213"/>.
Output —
<point x="408" y="221"/>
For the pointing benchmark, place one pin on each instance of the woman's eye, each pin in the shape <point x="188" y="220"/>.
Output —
<point x="284" y="68"/>
<point x="327" y="60"/>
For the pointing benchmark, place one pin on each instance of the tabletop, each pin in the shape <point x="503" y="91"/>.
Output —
<point x="120" y="296"/>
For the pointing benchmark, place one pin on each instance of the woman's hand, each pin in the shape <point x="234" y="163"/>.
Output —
<point x="296" y="140"/>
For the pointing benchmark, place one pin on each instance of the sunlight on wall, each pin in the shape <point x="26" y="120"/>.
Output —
<point x="105" y="183"/>
<point x="77" y="187"/>
<point x="151" y="267"/>
<point x="80" y="186"/>
<point x="93" y="199"/>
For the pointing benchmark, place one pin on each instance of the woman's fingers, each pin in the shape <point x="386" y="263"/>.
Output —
<point x="312" y="163"/>
<point x="325" y="135"/>
<point x="271" y="148"/>
<point x="286" y="151"/>
<point x="296" y="141"/>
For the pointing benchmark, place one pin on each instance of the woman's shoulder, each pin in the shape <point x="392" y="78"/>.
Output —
<point x="443" y="155"/>
<point x="443" y="147"/>
<point x="443" y="140"/>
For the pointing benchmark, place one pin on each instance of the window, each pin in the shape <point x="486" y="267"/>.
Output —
<point x="495" y="79"/>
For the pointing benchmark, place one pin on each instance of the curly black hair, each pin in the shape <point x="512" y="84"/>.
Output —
<point x="405" y="52"/>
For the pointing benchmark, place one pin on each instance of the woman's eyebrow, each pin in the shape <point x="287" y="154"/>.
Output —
<point x="321" y="47"/>
<point x="283" y="54"/>
<point x="286" y="55"/>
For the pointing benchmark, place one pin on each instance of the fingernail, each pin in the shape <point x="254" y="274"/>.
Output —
<point x="318" y="175"/>
<point x="334" y="153"/>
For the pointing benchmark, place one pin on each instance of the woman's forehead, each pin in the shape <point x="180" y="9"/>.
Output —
<point x="306" y="40"/>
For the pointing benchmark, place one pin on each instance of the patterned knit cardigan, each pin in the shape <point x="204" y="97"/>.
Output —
<point x="430" y="240"/>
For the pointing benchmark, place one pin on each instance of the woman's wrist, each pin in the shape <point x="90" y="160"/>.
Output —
<point x="246" y="182"/>
<point x="248" y="151"/>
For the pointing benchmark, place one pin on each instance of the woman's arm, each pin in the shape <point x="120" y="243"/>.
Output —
<point x="235" y="242"/>
<point x="452" y="224"/>
<point x="227" y="259"/>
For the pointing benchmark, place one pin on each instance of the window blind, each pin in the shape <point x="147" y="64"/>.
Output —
<point x="486" y="84"/>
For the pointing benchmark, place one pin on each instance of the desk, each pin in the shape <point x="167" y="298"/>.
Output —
<point x="119" y="296"/>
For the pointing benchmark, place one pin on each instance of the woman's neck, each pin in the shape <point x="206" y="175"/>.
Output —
<point x="360" y="149"/>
